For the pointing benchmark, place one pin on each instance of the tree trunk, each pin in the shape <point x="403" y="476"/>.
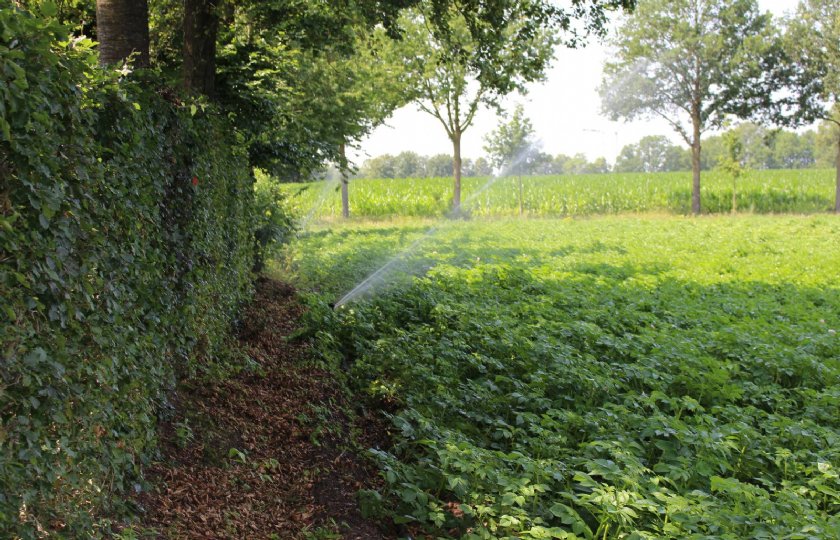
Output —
<point x="122" y="27"/>
<point x="201" y="24"/>
<point x="837" y="174"/>
<point x="734" y="194"/>
<point x="456" y="171"/>
<point x="695" y="166"/>
<point x="345" y="188"/>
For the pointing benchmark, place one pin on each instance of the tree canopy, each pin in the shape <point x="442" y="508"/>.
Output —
<point x="812" y="43"/>
<point x="463" y="56"/>
<point x="512" y="146"/>
<point x="692" y="63"/>
<point x="653" y="153"/>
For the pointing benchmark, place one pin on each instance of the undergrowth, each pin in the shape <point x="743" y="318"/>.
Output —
<point x="614" y="378"/>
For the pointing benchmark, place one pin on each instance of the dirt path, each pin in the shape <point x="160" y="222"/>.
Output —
<point x="263" y="456"/>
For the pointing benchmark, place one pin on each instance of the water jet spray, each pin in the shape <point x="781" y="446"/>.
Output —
<point x="383" y="271"/>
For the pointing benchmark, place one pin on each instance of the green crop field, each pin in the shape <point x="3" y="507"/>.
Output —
<point x="769" y="191"/>
<point x="612" y="377"/>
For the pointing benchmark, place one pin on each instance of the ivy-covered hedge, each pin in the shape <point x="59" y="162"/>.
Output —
<point x="126" y="246"/>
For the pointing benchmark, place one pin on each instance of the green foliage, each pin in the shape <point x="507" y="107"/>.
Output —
<point x="300" y="79"/>
<point x="439" y="165"/>
<point x="509" y="146"/>
<point x="603" y="378"/>
<point x="653" y="153"/>
<point x="457" y="67"/>
<point x="125" y="252"/>
<point x="274" y="222"/>
<point x="828" y="142"/>
<point x="766" y="149"/>
<point x="811" y="43"/>
<point x="689" y="61"/>
<point x="776" y="191"/>
<point x="732" y="161"/>
<point x="693" y="63"/>
<point x="411" y="165"/>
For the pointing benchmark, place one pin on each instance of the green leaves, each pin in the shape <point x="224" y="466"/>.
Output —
<point x="115" y="273"/>
<point x="602" y="377"/>
<point x="766" y="191"/>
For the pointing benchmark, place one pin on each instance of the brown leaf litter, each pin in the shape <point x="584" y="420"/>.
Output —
<point x="264" y="455"/>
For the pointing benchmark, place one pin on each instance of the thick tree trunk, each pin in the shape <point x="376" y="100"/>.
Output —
<point x="201" y="24"/>
<point x="122" y="27"/>
<point x="837" y="174"/>
<point x="695" y="167"/>
<point x="456" y="171"/>
<point x="345" y="188"/>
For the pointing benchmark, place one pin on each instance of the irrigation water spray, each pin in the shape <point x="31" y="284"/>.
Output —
<point x="330" y="183"/>
<point x="382" y="273"/>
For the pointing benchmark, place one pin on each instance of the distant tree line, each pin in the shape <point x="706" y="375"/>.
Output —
<point x="763" y="148"/>
<point x="413" y="165"/>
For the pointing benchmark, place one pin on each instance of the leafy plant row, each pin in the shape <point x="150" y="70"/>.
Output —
<point x="126" y="248"/>
<point x="604" y="379"/>
<point x="776" y="191"/>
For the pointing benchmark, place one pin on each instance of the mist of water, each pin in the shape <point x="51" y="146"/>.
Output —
<point x="384" y="272"/>
<point x="329" y="184"/>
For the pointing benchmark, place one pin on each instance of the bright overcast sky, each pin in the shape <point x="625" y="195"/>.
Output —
<point x="565" y="111"/>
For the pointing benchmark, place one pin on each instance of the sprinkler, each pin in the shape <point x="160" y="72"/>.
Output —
<point x="382" y="273"/>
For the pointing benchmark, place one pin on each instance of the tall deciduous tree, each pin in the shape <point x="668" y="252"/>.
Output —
<point x="367" y="87"/>
<point x="201" y="25"/>
<point x="452" y="79"/>
<point x="470" y="54"/>
<point x="692" y="62"/>
<point x="122" y="28"/>
<point x="813" y="46"/>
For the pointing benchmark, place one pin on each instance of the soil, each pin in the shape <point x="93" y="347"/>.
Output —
<point x="271" y="453"/>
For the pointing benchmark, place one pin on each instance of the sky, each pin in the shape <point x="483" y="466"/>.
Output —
<point x="565" y="111"/>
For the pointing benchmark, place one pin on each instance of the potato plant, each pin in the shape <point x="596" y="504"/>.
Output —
<point x="606" y="378"/>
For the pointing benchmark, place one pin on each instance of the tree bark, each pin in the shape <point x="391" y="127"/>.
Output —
<point x="201" y="24"/>
<point x="456" y="171"/>
<point x="122" y="27"/>
<point x="695" y="165"/>
<point x="345" y="188"/>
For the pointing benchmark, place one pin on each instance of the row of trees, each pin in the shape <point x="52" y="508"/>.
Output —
<point x="300" y="80"/>
<point x="697" y="64"/>
<point x="760" y="148"/>
<point x="413" y="165"/>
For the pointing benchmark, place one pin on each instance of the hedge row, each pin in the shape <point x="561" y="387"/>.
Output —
<point x="126" y="246"/>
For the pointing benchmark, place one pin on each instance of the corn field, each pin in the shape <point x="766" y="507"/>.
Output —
<point x="767" y="191"/>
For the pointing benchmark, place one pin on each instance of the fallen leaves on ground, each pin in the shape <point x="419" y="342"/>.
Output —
<point x="262" y="455"/>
